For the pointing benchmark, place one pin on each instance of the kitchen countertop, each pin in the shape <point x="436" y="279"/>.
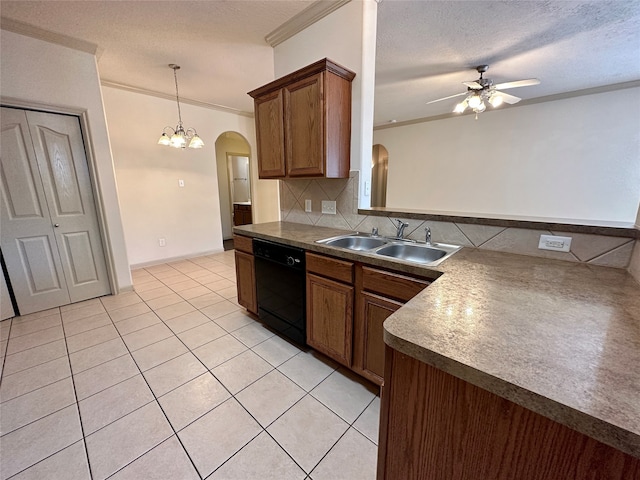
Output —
<point x="559" y="338"/>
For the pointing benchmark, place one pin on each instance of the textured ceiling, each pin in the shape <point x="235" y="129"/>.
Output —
<point x="219" y="45"/>
<point x="425" y="48"/>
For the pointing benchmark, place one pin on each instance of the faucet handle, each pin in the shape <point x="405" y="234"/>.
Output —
<point x="374" y="232"/>
<point x="401" y="223"/>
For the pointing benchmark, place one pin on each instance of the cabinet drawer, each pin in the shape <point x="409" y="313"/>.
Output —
<point x="391" y="284"/>
<point x="330" y="267"/>
<point x="244" y="244"/>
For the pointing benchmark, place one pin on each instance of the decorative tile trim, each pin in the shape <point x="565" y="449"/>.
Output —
<point x="614" y="231"/>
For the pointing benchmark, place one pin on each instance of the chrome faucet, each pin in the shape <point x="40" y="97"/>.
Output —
<point x="401" y="226"/>
<point x="374" y="232"/>
<point x="427" y="231"/>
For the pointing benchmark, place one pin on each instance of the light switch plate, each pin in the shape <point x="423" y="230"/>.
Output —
<point x="162" y="242"/>
<point x="555" y="243"/>
<point x="329" y="206"/>
<point x="307" y="205"/>
<point x="181" y="183"/>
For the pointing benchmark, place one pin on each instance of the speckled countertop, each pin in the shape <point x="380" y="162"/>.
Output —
<point x="559" y="338"/>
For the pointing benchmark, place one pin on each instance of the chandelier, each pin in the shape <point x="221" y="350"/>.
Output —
<point x="178" y="137"/>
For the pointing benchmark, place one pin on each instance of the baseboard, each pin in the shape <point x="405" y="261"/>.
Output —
<point x="160" y="261"/>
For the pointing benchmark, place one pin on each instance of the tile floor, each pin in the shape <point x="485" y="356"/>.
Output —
<point x="176" y="381"/>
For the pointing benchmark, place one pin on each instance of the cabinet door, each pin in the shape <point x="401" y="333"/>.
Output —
<point x="330" y="318"/>
<point x="370" y="350"/>
<point x="304" y="127"/>
<point x="270" y="135"/>
<point x="246" y="281"/>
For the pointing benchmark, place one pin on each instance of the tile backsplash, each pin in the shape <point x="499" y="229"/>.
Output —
<point x="594" y="249"/>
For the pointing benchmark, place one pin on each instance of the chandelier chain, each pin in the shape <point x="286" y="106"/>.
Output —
<point x="175" y="77"/>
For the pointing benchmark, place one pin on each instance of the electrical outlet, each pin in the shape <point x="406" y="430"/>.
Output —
<point x="329" y="206"/>
<point x="555" y="243"/>
<point x="307" y="205"/>
<point x="162" y="242"/>
<point x="181" y="183"/>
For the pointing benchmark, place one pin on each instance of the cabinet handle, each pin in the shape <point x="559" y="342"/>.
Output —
<point x="57" y="225"/>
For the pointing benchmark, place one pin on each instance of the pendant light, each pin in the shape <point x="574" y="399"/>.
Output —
<point x="178" y="137"/>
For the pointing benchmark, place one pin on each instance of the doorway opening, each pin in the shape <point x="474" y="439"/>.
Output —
<point x="379" y="170"/>
<point x="235" y="189"/>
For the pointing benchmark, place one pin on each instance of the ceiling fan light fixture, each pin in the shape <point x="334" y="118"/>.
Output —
<point x="461" y="107"/>
<point x="496" y="100"/>
<point x="177" y="138"/>
<point x="474" y="101"/>
<point x="480" y="108"/>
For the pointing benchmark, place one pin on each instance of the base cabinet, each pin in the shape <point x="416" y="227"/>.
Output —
<point x="330" y="296"/>
<point x="245" y="273"/>
<point x="330" y="317"/>
<point x="380" y="293"/>
<point x="435" y="426"/>
<point x="370" y="347"/>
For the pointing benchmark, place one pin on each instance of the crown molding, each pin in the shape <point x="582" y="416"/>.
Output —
<point x="47" y="36"/>
<point x="523" y="103"/>
<point x="195" y="103"/>
<point x="310" y="15"/>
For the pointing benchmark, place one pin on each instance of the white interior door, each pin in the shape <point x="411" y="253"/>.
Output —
<point x="28" y="243"/>
<point x="69" y="222"/>
<point x="57" y="140"/>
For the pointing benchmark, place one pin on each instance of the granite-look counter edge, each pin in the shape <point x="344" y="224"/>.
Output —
<point x="559" y="338"/>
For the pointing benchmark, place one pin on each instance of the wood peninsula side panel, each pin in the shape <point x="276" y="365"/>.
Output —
<point x="435" y="426"/>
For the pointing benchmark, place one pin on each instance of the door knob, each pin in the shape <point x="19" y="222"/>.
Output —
<point x="57" y="225"/>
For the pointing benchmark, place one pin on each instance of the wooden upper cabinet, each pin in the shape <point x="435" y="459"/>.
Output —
<point x="303" y="123"/>
<point x="304" y="126"/>
<point x="270" y="135"/>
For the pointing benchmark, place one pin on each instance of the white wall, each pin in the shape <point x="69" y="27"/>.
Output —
<point x="576" y="159"/>
<point x="37" y="72"/>
<point x="153" y="205"/>
<point x="346" y="36"/>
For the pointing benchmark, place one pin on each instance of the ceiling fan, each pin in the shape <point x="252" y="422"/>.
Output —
<point x="483" y="90"/>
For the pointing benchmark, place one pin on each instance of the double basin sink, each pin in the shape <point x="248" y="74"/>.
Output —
<point x="407" y="250"/>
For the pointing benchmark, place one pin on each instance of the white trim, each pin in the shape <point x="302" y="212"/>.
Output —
<point x="310" y="15"/>
<point x="162" y="261"/>
<point x="48" y="36"/>
<point x="165" y="96"/>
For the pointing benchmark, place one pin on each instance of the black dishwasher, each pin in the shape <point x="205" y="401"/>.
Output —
<point x="280" y="285"/>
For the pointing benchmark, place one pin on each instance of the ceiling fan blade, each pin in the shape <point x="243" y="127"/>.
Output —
<point x="473" y="85"/>
<point x="510" y="99"/>
<point x="518" y="83"/>
<point x="447" y="98"/>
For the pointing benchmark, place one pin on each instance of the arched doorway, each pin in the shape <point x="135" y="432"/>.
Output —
<point x="234" y="181"/>
<point x="379" y="169"/>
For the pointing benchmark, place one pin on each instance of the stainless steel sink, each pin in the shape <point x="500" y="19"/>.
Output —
<point x="406" y="250"/>
<point x="418" y="253"/>
<point x="355" y="242"/>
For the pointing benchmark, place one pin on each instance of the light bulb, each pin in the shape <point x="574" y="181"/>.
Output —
<point x="481" y="108"/>
<point x="461" y="107"/>
<point x="178" y="140"/>
<point x="496" y="100"/>
<point x="474" y="101"/>
<point x="164" y="140"/>
<point x="196" y="142"/>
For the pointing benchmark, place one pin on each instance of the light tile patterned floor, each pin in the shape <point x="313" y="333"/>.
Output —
<point x="176" y="381"/>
